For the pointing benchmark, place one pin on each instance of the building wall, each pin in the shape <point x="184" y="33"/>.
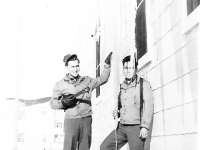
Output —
<point x="173" y="75"/>
<point x="33" y="127"/>
<point x="170" y="64"/>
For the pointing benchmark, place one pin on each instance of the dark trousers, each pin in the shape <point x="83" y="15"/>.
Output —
<point x="125" y="134"/>
<point x="77" y="133"/>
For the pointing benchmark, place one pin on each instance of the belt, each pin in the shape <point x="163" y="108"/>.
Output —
<point x="129" y="124"/>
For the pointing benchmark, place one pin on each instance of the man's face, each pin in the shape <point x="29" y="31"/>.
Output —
<point x="129" y="69"/>
<point x="73" y="68"/>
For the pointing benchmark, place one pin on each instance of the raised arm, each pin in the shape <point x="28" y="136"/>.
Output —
<point x="104" y="75"/>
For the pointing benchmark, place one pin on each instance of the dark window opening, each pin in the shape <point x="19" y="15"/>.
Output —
<point x="140" y="29"/>
<point x="192" y="5"/>
<point x="98" y="65"/>
<point x="138" y="2"/>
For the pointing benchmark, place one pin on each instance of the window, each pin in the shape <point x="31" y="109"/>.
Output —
<point x="21" y="115"/>
<point x="140" y="29"/>
<point x="57" y="124"/>
<point x="20" y="137"/>
<point x="138" y="2"/>
<point x="190" y="16"/>
<point x="98" y="65"/>
<point x="58" y="138"/>
<point x="192" y="5"/>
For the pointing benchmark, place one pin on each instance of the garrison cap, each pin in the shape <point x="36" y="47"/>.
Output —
<point x="67" y="57"/>
<point x="128" y="58"/>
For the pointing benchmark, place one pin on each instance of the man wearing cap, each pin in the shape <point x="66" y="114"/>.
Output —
<point x="135" y="109"/>
<point x="73" y="94"/>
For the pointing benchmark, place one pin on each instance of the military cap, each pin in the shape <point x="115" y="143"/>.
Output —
<point x="67" y="57"/>
<point x="128" y="58"/>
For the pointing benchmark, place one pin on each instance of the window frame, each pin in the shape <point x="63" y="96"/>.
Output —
<point x="190" y="11"/>
<point x="146" y="58"/>
<point x="191" y="20"/>
<point x="146" y="48"/>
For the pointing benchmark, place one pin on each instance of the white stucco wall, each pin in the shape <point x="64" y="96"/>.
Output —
<point x="171" y="67"/>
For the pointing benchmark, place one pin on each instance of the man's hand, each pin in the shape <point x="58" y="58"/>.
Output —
<point x="143" y="133"/>
<point x="115" y="113"/>
<point x="68" y="101"/>
<point x="108" y="59"/>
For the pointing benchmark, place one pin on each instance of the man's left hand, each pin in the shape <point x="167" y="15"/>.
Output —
<point x="143" y="133"/>
<point x="108" y="59"/>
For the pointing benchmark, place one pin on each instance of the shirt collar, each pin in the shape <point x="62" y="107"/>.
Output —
<point x="130" y="80"/>
<point x="71" y="79"/>
<point x="134" y="80"/>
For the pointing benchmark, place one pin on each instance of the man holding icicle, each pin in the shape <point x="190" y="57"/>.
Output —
<point x="135" y="110"/>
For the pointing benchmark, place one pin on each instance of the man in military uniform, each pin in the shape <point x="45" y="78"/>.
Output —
<point x="135" y="109"/>
<point x="73" y="94"/>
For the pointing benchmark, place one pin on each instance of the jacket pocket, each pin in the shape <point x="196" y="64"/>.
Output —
<point x="136" y="102"/>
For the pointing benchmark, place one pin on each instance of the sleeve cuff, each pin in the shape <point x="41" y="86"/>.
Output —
<point x="107" y="66"/>
<point x="145" y="125"/>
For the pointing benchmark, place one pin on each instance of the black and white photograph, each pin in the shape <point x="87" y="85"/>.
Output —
<point x="99" y="74"/>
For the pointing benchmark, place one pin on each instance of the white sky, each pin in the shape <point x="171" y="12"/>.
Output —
<point x="39" y="33"/>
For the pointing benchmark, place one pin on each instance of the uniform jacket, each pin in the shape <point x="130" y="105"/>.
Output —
<point x="65" y="86"/>
<point x="130" y="103"/>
